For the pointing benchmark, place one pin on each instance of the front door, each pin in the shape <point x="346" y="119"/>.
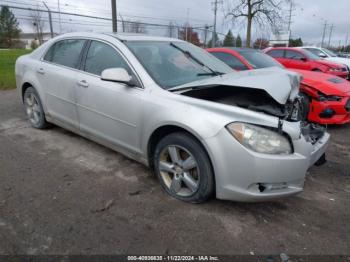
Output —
<point x="108" y="110"/>
<point x="297" y="60"/>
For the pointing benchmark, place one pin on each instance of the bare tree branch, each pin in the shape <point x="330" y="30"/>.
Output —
<point x="262" y="12"/>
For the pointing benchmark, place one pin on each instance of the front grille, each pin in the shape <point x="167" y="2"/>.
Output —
<point x="347" y="106"/>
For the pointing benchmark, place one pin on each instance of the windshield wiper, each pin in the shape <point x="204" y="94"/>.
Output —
<point x="189" y="54"/>
<point x="215" y="73"/>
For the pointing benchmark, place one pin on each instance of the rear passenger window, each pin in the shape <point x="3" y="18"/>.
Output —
<point x="276" y="53"/>
<point x="65" y="52"/>
<point x="102" y="56"/>
<point x="230" y="60"/>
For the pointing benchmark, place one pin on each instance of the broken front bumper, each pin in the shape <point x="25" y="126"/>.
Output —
<point x="244" y="175"/>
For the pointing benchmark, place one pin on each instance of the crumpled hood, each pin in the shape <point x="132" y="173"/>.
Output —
<point x="280" y="84"/>
<point x="325" y="83"/>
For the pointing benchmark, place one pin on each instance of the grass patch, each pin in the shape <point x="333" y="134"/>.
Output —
<point x="7" y="67"/>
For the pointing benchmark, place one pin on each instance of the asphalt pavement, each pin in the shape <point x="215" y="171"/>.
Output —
<point x="63" y="194"/>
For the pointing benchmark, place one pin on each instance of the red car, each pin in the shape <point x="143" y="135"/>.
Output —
<point x="299" y="58"/>
<point x="328" y="95"/>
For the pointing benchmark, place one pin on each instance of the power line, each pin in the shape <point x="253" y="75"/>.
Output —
<point x="68" y="8"/>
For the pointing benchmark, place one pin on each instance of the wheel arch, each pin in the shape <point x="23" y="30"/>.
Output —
<point x="165" y="130"/>
<point x="24" y="87"/>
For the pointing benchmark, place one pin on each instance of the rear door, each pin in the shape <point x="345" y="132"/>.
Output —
<point x="108" y="110"/>
<point x="57" y="74"/>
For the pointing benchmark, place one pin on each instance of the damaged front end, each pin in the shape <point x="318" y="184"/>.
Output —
<point x="255" y="91"/>
<point x="251" y="99"/>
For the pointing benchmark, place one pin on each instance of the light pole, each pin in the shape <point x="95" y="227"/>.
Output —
<point x="59" y="15"/>
<point x="50" y="19"/>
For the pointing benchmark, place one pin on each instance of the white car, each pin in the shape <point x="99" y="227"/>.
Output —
<point x="328" y="55"/>
<point x="201" y="127"/>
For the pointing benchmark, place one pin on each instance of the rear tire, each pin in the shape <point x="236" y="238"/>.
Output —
<point x="34" y="109"/>
<point x="183" y="168"/>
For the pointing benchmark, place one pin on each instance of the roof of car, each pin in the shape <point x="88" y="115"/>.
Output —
<point x="283" y="48"/>
<point x="120" y="36"/>
<point x="237" y="49"/>
<point x="316" y="47"/>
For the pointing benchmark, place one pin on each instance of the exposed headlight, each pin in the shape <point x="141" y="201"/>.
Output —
<point x="335" y="70"/>
<point x="259" y="139"/>
<point x="323" y="97"/>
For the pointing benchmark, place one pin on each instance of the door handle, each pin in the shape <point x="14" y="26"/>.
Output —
<point x="41" y="71"/>
<point x="83" y="83"/>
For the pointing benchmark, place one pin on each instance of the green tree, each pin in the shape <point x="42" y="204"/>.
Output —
<point x="229" y="39"/>
<point x="239" y="41"/>
<point x="9" y="28"/>
<point x="296" y="42"/>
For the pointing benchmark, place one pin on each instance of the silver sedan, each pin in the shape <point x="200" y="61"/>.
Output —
<point x="202" y="128"/>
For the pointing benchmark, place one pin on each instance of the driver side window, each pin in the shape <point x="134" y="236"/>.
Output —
<point x="102" y="56"/>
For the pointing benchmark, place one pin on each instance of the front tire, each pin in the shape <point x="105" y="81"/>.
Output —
<point x="34" y="109"/>
<point x="183" y="168"/>
<point x="305" y="106"/>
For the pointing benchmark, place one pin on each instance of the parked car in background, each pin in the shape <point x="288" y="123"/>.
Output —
<point x="326" y="96"/>
<point x="201" y="127"/>
<point x="328" y="55"/>
<point x="299" y="58"/>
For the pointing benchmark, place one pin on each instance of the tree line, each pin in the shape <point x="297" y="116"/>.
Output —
<point x="9" y="28"/>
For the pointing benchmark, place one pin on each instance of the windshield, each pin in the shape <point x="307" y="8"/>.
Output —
<point x="176" y="63"/>
<point x="329" y="52"/>
<point x="310" y="55"/>
<point x="259" y="60"/>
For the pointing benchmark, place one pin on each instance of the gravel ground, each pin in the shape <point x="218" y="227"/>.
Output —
<point x="63" y="194"/>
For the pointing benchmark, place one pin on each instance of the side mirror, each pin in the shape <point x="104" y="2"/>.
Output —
<point x="322" y="55"/>
<point x="119" y="75"/>
<point x="304" y="59"/>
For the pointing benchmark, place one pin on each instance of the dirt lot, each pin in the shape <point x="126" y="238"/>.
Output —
<point x="62" y="194"/>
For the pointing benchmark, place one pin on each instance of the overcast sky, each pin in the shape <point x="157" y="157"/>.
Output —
<point x="308" y="16"/>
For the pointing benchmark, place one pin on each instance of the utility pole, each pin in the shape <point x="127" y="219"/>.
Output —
<point x="324" y="33"/>
<point x="205" y="35"/>
<point x="215" y="3"/>
<point x="123" y="22"/>
<point x="114" y="16"/>
<point x="50" y="19"/>
<point x="346" y="39"/>
<point x="290" y="15"/>
<point x="215" y="15"/>
<point x="59" y="15"/>
<point x="290" y="20"/>
<point x="330" y="35"/>
<point x="187" y="24"/>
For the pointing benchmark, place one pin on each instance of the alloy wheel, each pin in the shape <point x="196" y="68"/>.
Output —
<point x="33" y="109"/>
<point x="179" y="170"/>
